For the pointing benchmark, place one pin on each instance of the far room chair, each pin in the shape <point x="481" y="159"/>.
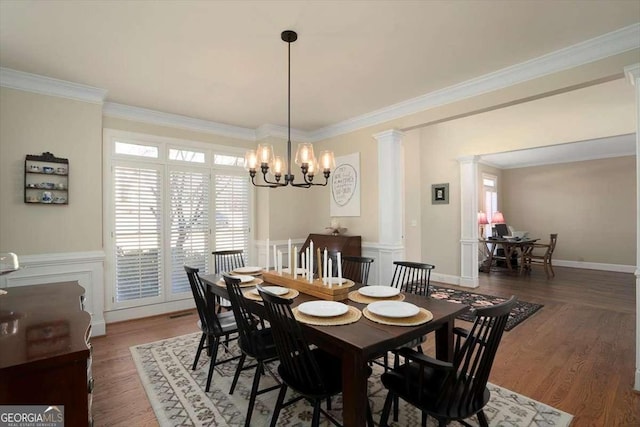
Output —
<point x="213" y="325"/>
<point x="254" y="341"/>
<point x="356" y="268"/>
<point x="540" y="254"/>
<point x="454" y="390"/>
<point x="226" y="262"/>
<point x="313" y="374"/>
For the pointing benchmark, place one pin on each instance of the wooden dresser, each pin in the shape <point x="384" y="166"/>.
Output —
<point x="45" y="355"/>
<point x="347" y="245"/>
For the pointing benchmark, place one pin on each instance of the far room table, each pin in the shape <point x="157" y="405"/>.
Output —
<point x="364" y="340"/>
<point x="510" y="246"/>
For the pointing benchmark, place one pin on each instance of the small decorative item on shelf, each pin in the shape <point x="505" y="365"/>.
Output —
<point x="46" y="172"/>
<point x="335" y="228"/>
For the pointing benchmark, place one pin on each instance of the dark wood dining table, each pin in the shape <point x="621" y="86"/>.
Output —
<point x="359" y="342"/>
<point x="511" y="247"/>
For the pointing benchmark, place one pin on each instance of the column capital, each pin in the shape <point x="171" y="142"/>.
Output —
<point x="390" y="135"/>
<point x="468" y="159"/>
<point x="632" y="72"/>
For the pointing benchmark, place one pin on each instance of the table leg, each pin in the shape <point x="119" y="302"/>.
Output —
<point x="354" y="390"/>
<point x="444" y="341"/>
<point x="209" y="298"/>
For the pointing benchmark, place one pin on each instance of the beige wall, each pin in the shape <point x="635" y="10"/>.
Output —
<point x="32" y="124"/>
<point x="590" y="204"/>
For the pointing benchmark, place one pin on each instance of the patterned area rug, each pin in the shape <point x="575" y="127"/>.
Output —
<point x="519" y="314"/>
<point x="178" y="398"/>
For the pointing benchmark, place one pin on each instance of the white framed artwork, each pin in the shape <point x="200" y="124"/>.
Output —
<point x="345" y="186"/>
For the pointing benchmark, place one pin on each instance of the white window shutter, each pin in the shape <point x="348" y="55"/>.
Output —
<point x="138" y="232"/>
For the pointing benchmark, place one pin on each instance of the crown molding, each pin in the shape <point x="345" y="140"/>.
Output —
<point x="632" y="72"/>
<point x="28" y="82"/>
<point x="610" y="44"/>
<point x="127" y="112"/>
<point x="267" y="130"/>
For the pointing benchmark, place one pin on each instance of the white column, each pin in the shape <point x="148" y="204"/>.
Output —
<point x="469" y="221"/>
<point x="633" y="74"/>
<point x="390" y="201"/>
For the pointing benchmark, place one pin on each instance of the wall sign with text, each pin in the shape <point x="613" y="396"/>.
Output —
<point x="345" y="186"/>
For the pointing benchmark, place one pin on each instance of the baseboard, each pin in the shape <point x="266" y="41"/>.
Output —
<point x="123" y="314"/>
<point x="620" y="268"/>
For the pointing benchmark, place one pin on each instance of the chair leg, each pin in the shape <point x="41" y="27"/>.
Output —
<point x="442" y="423"/>
<point x="553" y="273"/>
<point x="315" y="420"/>
<point x="329" y="403"/>
<point x="424" y="419"/>
<point x="386" y="409"/>
<point x="369" y="416"/>
<point x="212" y="362"/>
<point x="279" y="402"/>
<point x="200" y="347"/>
<point x="254" y="393"/>
<point x="237" y="374"/>
<point x="482" y="419"/>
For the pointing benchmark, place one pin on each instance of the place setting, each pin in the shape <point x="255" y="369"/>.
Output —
<point x="250" y="270"/>
<point x="397" y="313"/>
<point x="246" y="281"/>
<point x="369" y="294"/>
<point x="326" y="313"/>
<point x="280" y="291"/>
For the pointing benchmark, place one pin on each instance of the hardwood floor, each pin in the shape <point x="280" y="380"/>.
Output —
<point x="577" y="353"/>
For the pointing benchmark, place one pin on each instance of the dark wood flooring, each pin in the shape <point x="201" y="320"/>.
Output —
<point x="577" y="353"/>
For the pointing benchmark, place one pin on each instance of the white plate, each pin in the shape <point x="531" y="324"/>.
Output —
<point x="299" y="270"/>
<point x="396" y="309"/>
<point x="243" y="279"/>
<point x="323" y="308"/>
<point x="247" y="270"/>
<point x="337" y="281"/>
<point x="379" y="291"/>
<point x="276" y="290"/>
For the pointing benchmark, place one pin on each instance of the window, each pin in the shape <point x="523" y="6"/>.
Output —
<point x="138" y="233"/>
<point x="189" y="225"/>
<point x="170" y="204"/>
<point x="490" y="198"/>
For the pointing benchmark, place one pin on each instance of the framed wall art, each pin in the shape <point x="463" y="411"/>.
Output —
<point x="440" y="194"/>
<point x="345" y="186"/>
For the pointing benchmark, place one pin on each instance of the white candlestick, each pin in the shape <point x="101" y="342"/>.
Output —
<point x="295" y="262"/>
<point x="266" y="267"/>
<point x="311" y="261"/>
<point x="289" y="254"/>
<point x="340" y="268"/>
<point x="303" y="264"/>
<point x="324" y="268"/>
<point x="275" y="258"/>
<point x="330" y="277"/>
<point x="306" y="265"/>
<point x="279" y="262"/>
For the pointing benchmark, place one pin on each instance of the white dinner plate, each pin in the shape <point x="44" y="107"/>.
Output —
<point x="396" y="309"/>
<point x="323" y="308"/>
<point x="299" y="270"/>
<point x="248" y="270"/>
<point x="379" y="291"/>
<point x="276" y="290"/>
<point x="243" y="279"/>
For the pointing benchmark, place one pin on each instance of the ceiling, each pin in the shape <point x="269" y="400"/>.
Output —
<point x="223" y="61"/>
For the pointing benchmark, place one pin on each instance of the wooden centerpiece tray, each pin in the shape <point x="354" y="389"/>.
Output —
<point x="316" y="289"/>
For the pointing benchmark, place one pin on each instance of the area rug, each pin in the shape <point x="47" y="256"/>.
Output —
<point x="178" y="398"/>
<point x="520" y="313"/>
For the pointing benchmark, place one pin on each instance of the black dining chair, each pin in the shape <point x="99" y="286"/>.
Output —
<point x="213" y="325"/>
<point x="412" y="277"/>
<point x="254" y="341"/>
<point x="226" y="262"/>
<point x="451" y="390"/>
<point x="313" y="374"/>
<point x="356" y="268"/>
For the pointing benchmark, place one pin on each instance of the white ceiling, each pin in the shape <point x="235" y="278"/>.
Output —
<point x="223" y="61"/>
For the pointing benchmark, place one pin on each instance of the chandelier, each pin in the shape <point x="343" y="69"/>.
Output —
<point x="305" y="158"/>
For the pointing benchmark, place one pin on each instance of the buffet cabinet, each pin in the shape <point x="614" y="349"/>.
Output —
<point x="346" y="245"/>
<point x="45" y="354"/>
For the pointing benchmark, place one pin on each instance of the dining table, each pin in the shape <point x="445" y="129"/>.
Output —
<point x="511" y="246"/>
<point x="357" y="343"/>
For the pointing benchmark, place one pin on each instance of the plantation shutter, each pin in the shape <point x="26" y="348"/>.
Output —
<point x="232" y="212"/>
<point x="189" y="225"/>
<point x="138" y="232"/>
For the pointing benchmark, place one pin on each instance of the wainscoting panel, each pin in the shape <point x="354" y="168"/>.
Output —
<point x="87" y="268"/>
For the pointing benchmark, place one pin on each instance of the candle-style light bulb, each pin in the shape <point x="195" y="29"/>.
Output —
<point x="250" y="160"/>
